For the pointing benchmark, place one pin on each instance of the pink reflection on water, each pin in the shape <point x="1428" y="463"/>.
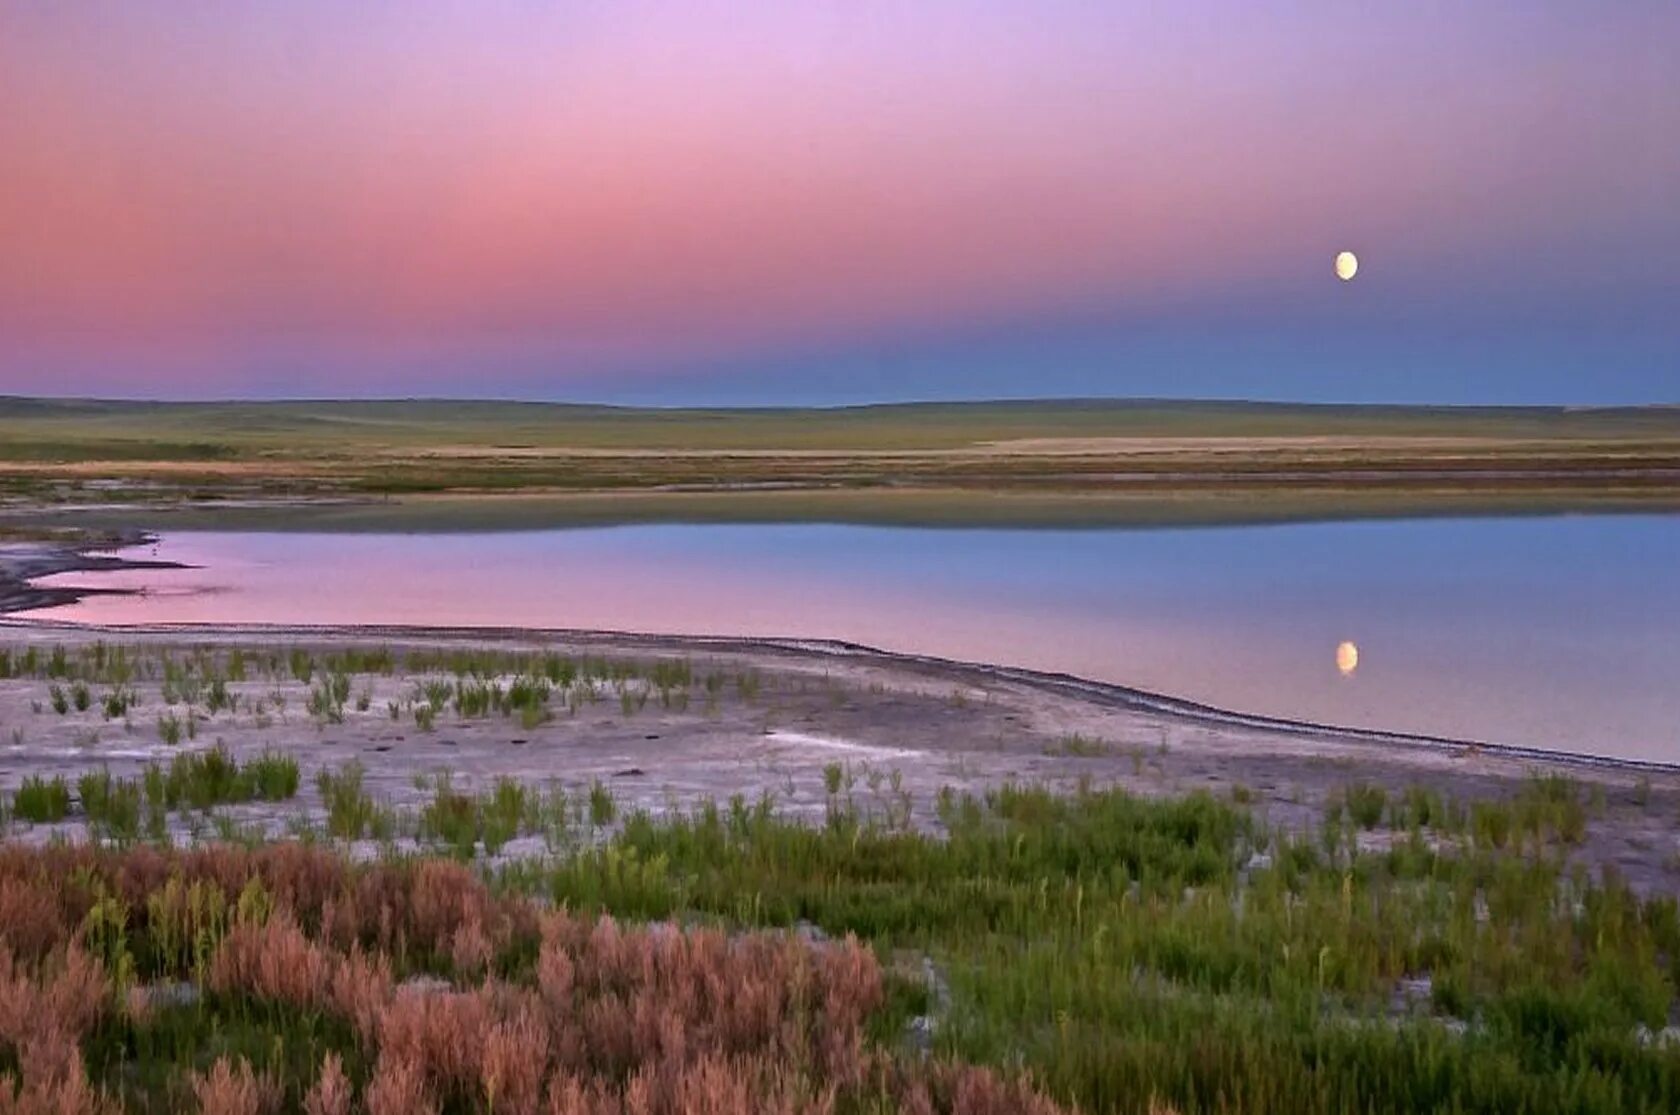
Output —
<point x="1516" y="673"/>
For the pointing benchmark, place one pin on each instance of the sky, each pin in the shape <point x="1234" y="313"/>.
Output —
<point x="800" y="202"/>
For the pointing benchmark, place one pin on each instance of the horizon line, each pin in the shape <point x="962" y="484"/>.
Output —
<point x="993" y="400"/>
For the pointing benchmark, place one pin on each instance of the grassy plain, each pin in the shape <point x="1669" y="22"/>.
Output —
<point x="1061" y="462"/>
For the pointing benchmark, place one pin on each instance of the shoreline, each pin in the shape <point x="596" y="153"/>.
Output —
<point x="24" y="562"/>
<point x="806" y="651"/>
<point x="754" y="719"/>
<point x="898" y="505"/>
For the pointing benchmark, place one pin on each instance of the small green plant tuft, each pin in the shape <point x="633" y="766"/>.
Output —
<point x="41" y="801"/>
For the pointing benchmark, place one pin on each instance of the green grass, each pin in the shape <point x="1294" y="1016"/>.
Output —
<point x="41" y="800"/>
<point x="169" y="729"/>
<point x="1079" y="746"/>
<point x="120" y="811"/>
<point x="1119" y="948"/>
<point x="113" y="808"/>
<point x="461" y="824"/>
<point x="272" y="776"/>
<point x="351" y="811"/>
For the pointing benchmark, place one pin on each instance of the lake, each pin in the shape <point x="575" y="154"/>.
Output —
<point x="1551" y="632"/>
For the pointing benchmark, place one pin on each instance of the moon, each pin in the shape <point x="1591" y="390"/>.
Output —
<point x="1347" y="658"/>
<point x="1347" y="266"/>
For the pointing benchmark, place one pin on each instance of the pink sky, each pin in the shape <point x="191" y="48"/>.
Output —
<point x="189" y="189"/>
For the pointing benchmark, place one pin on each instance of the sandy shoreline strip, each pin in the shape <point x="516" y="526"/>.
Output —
<point x="901" y="729"/>
<point x="808" y="650"/>
<point x="832" y="651"/>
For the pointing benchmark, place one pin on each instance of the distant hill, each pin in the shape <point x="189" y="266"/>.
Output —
<point x="29" y="426"/>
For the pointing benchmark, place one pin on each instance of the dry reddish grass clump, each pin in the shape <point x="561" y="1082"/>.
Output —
<point x="53" y="1081"/>
<point x="964" y="1090"/>
<point x="65" y="996"/>
<point x="230" y="1090"/>
<point x="398" y="1087"/>
<point x="597" y="1019"/>
<point x="361" y="986"/>
<point x="516" y="1052"/>
<point x="274" y="961"/>
<point x="414" y="910"/>
<point x="30" y="920"/>
<point x="331" y="1094"/>
<point x="44" y="1015"/>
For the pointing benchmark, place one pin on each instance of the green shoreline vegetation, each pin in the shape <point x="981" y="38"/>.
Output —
<point x="1115" y="952"/>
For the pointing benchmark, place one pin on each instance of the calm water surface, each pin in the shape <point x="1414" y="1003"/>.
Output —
<point x="1560" y="632"/>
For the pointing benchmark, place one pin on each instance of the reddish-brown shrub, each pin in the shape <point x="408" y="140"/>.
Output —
<point x="134" y="874"/>
<point x="273" y="961"/>
<point x="954" y="1089"/>
<point x="659" y="1028"/>
<point x="555" y="976"/>
<point x="67" y="999"/>
<point x="29" y="918"/>
<point x="444" y="1032"/>
<point x="54" y="1082"/>
<point x="850" y="984"/>
<point x="398" y="1087"/>
<point x="712" y="1086"/>
<point x="75" y="997"/>
<point x="603" y="955"/>
<point x="470" y="951"/>
<point x="50" y="1058"/>
<point x="361" y="988"/>
<point x="610" y="1034"/>
<point x="301" y="877"/>
<point x="567" y="1095"/>
<point x="331" y="1094"/>
<point x="18" y="995"/>
<point x="369" y="909"/>
<point x="137" y="1005"/>
<point x="227" y="1090"/>
<point x="444" y="895"/>
<point x="515" y="1063"/>
<point x="616" y="1020"/>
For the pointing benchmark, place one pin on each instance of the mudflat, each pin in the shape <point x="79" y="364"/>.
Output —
<point x="663" y="723"/>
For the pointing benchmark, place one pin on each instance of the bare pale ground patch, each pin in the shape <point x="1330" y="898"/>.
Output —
<point x="752" y="719"/>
